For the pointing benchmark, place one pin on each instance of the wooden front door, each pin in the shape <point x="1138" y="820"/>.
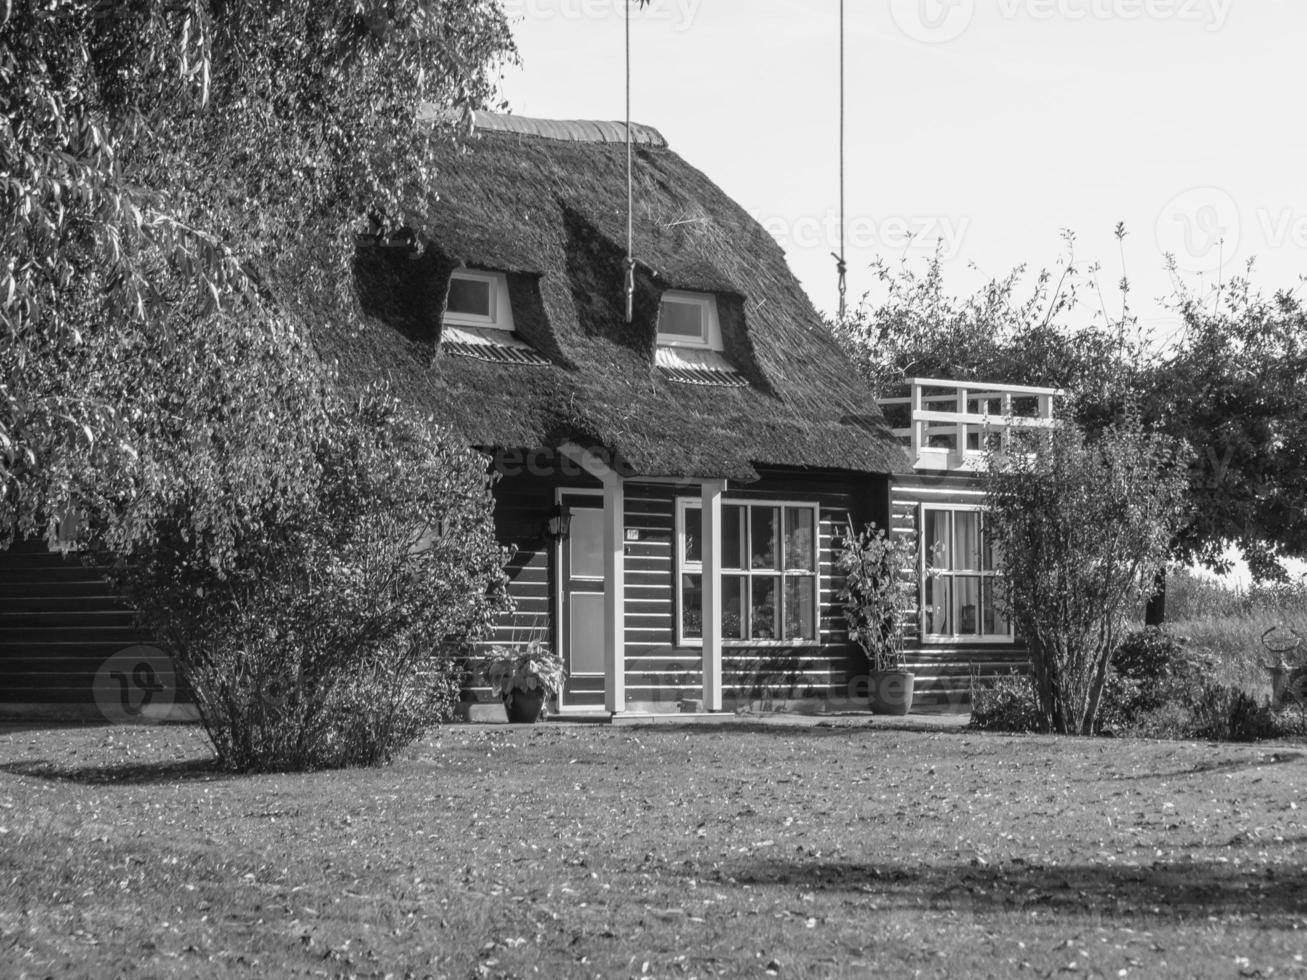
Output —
<point x="581" y="624"/>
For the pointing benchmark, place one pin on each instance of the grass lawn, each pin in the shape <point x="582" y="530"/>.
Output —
<point x="669" y="851"/>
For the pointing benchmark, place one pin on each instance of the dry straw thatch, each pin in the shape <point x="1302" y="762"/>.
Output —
<point x="545" y="202"/>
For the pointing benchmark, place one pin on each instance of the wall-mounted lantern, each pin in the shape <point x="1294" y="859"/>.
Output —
<point x="559" y="523"/>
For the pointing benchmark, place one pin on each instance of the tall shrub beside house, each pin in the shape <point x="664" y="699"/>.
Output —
<point x="1083" y="527"/>
<point x="324" y="637"/>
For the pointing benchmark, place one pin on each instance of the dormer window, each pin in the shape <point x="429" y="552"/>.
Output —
<point x="689" y="320"/>
<point x="479" y="299"/>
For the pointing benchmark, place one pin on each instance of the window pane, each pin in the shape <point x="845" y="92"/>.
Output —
<point x="469" y="296"/>
<point x="966" y="539"/>
<point x="990" y="552"/>
<point x="968" y="592"/>
<point x="995" y="623"/>
<point x="939" y="605"/>
<point x="800" y="607"/>
<point x="762" y="613"/>
<point x="733" y="536"/>
<point x="681" y="320"/>
<point x="585" y="543"/>
<point x="693" y="534"/>
<point x="939" y="553"/>
<point x="763" y="537"/>
<point x="734" y="590"/>
<point x="800" y="539"/>
<point x="692" y="607"/>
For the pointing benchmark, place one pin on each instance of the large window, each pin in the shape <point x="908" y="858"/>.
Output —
<point x="479" y="299"/>
<point x="768" y="577"/>
<point x="961" y="577"/>
<point x="689" y="320"/>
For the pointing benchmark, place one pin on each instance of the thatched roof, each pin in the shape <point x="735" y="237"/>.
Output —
<point x="545" y="202"/>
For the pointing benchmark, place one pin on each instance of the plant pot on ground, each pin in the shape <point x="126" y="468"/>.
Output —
<point x="891" y="691"/>
<point x="525" y="678"/>
<point x="880" y="586"/>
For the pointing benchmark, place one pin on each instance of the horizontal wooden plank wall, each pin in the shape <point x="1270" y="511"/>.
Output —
<point x="59" y="622"/>
<point x="831" y="670"/>
<point x="658" y="673"/>
<point x="945" y="672"/>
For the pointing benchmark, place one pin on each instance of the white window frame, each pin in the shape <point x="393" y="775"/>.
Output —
<point x="955" y="639"/>
<point x="682" y="567"/>
<point x="710" y="338"/>
<point x="501" y="309"/>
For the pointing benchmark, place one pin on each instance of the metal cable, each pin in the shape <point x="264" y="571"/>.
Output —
<point x="841" y="265"/>
<point x="630" y="189"/>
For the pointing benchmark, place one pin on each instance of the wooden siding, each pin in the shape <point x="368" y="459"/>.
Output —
<point x="656" y="669"/>
<point x="659" y="671"/>
<point x="59" y="622"/>
<point x="945" y="671"/>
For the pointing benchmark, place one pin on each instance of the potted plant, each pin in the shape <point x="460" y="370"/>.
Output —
<point x="880" y="589"/>
<point x="525" y="677"/>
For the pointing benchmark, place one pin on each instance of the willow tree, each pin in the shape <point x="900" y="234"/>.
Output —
<point x="181" y="185"/>
<point x="1083" y="527"/>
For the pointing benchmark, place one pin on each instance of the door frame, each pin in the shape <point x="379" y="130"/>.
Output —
<point x="560" y="623"/>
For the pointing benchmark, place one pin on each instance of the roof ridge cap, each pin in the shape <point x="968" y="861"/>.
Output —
<point x="566" y="130"/>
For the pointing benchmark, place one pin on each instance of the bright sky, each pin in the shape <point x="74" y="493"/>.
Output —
<point x="989" y="124"/>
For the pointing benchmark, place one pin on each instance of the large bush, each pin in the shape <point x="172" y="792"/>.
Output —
<point x="1083" y="527"/>
<point x="323" y="635"/>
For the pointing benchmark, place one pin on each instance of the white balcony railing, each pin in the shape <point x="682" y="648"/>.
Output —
<point x="949" y="425"/>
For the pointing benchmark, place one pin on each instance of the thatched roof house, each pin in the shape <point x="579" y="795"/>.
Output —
<point x="675" y="489"/>
<point x="545" y="203"/>
<point x="693" y="468"/>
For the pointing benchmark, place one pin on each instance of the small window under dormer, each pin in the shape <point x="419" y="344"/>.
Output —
<point x="478" y="321"/>
<point x="690" y="349"/>
<point x="479" y="299"/>
<point x="689" y="320"/>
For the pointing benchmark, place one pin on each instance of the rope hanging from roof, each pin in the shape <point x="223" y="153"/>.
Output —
<point x="630" y="188"/>
<point x="841" y="266"/>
